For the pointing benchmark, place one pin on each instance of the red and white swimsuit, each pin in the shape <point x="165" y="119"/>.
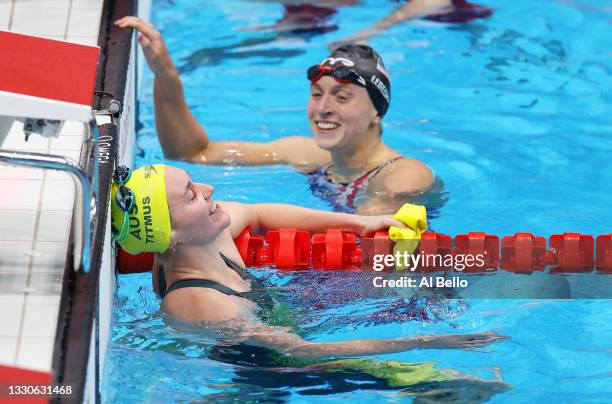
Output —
<point x="343" y="197"/>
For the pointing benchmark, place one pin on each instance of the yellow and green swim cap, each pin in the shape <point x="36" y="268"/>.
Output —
<point x="146" y="227"/>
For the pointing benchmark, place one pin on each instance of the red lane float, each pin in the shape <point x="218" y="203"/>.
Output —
<point x="603" y="260"/>
<point x="133" y="264"/>
<point x="290" y="249"/>
<point x="378" y="244"/>
<point x="435" y="244"/>
<point x="335" y="249"/>
<point x="523" y="253"/>
<point x="248" y="245"/>
<point x="478" y="243"/>
<point x="573" y="252"/>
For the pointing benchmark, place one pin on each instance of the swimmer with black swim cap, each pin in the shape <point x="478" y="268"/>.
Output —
<point x="353" y="169"/>
<point x="360" y="65"/>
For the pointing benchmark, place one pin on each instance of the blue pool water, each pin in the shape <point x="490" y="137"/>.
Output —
<point x="510" y="112"/>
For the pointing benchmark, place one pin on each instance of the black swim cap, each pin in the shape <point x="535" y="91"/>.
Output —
<point x="368" y="63"/>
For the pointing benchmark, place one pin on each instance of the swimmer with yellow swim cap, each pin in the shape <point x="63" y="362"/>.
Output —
<point x="159" y="208"/>
<point x="200" y="275"/>
<point x="141" y="223"/>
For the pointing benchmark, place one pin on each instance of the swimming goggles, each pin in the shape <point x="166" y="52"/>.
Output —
<point x="339" y="72"/>
<point x="124" y="199"/>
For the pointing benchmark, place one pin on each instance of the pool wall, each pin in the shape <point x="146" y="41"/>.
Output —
<point x="86" y="309"/>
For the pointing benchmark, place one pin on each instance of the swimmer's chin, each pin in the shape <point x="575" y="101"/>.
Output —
<point x="327" y="141"/>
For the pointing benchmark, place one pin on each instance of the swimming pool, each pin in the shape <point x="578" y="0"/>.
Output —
<point x="509" y="112"/>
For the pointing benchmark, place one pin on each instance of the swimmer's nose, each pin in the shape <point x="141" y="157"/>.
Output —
<point x="324" y="106"/>
<point x="207" y="190"/>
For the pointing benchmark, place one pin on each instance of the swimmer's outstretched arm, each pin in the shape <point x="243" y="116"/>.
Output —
<point x="224" y="314"/>
<point x="261" y="217"/>
<point x="279" y="339"/>
<point x="181" y="135"/>
<point x="408" y="11"/>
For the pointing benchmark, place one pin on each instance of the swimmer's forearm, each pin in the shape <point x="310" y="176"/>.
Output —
<point x="313" y="350"/>
<point x="307" y="349"/>
<point x="291" y="344"/>
<point x="294" y="345"/>
<point x="180" y="134"/>
<point x="273" y="216"/>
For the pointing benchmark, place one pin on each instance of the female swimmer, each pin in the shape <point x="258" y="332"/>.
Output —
<point x="158" y="208"/>
<point x="347" y="163"/>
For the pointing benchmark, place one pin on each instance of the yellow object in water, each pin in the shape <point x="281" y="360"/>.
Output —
<point x="407" y="239"/>
<point x="147" y="226"/>
<point x="397" y="374"/>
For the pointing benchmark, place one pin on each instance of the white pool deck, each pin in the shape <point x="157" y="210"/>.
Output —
<point x="36" y="205"/>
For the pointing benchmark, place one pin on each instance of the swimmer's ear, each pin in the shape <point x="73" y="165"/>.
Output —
<point x="375" y="121"/>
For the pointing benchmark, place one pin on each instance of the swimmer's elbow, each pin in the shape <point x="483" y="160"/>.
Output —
<point x="208" y="153"/>
<point x="325" y="350"/>
<point x="288" y="344"/>
<point x="306" y="350"/>
<point x="171" y="154"/>
<point x="189" y="153"/>
<point x="322" y="350"/>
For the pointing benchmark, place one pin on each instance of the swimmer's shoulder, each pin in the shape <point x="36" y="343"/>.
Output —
<point x="302" y="152"/>
<point x="403" y="175"/>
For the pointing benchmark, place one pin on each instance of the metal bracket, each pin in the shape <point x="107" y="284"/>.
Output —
<point x="44" y="127"/>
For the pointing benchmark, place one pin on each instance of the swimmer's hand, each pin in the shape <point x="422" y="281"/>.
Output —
<point x="152" y="43"/>
<point x="372" y="224"/>
<point x="461" y="341"/>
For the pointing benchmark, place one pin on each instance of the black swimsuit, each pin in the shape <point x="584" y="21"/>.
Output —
<point x="257" y="293"/>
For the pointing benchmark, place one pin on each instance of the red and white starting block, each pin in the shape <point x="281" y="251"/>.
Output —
<point x="44" y="82"/>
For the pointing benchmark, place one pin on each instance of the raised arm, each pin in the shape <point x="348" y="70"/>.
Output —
<point x="409" y="10"/>
<point x="181" y="135"/>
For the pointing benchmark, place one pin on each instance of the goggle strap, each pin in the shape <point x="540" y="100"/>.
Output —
<point x="125" y="229"/>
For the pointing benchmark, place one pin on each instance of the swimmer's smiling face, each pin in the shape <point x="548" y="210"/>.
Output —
<point x="340" y="115"/>
<point x="196" y="218"/>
